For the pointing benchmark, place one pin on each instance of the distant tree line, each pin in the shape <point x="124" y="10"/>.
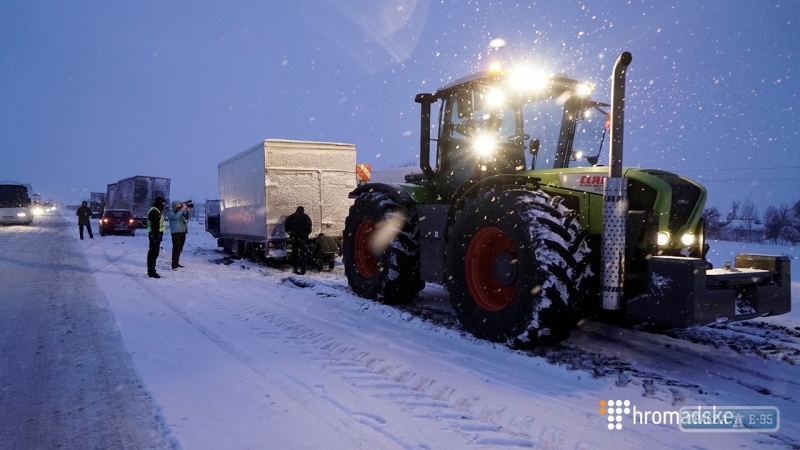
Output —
<point x="779" y="224"/>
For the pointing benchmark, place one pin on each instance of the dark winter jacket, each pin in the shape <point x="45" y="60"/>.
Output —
<point x="83" y="213"/>
<point x="325" y="245"/>
<point x="298" y="225"/>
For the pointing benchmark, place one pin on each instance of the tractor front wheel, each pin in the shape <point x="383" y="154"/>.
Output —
<point x="380" y="251"/>
<point x="512" y="257"/>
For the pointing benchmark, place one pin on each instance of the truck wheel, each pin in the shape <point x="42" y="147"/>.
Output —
<point x="381" y="249"/>
<point x="512" y="267"/>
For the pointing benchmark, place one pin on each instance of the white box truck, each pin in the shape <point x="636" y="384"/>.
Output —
<point x="261" y="186"/>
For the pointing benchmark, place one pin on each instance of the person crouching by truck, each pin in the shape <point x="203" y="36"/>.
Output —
<point x="156" y="225"/>
<point x="298" y="227"/>
<point x="178" y="217"/>
<point x="325" y="250"/>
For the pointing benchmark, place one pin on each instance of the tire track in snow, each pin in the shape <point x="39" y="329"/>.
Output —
<point x="748" y="338"/>
<point x="253" y="363"/>
<point x="426" y="398"/>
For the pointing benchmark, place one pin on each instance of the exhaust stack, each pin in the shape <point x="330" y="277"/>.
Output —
<point x="615" y="209"/>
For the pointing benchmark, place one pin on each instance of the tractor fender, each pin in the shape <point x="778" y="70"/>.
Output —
<point x="395" y="191"/>
<point x="468" y="190"/>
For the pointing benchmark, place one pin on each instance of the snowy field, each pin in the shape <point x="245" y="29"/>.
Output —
<point x="239" y="355"/>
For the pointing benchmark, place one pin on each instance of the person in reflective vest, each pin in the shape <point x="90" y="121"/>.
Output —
<point x="156" y="225"/>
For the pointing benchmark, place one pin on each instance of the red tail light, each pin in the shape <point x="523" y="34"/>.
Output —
<point x="105" y="220"/>
<point x="130" y="220"/>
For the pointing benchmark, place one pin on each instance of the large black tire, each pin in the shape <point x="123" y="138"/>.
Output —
<point x="515" y="260"/>
<point x="381" y="249"/>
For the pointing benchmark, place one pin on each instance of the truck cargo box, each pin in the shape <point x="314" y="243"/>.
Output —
<point x="261" y="186"/>
<point x="97" y="202"/>
<point x="111" y="195"/>
<point x="137" y="193"/>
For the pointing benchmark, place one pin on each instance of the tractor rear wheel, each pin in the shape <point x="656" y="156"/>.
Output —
<point x="381" y="249"/>
<point x="514" y="261"/>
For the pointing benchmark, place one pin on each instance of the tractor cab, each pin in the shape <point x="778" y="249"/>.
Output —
<point x="505" y="122"/>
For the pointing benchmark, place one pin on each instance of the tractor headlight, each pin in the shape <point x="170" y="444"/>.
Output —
<point x="485" y="145"/>
<point x="662" y="238"/>
<point x="495" y="99"/>
<point x="687" y="239"/>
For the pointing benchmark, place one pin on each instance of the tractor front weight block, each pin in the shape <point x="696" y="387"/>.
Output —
<point x="682" y="293"/>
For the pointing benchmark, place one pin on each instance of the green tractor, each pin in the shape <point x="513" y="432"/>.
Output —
<point x="530" y="235"/>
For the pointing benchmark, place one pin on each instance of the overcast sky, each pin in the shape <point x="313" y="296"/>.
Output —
<point x="92" y="92"/>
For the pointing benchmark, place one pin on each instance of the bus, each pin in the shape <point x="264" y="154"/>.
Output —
<point x="15" y="204"/>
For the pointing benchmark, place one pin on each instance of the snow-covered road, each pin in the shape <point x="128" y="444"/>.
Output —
<point x="239" y="355"/>
<point x="66" y="380"/>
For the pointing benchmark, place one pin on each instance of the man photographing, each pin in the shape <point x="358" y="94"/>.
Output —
<point x="178" y="217"/>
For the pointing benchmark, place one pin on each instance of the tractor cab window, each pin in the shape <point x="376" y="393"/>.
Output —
<point x="592" y="139"/>
<point x="542" y="122"/>
<point x="478" y="114"/>
<point x="476" y="137"/>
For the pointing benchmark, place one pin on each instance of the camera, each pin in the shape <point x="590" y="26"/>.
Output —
<point x="189" y="204"/>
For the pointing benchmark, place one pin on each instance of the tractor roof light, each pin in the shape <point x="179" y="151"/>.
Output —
<point x="528" y="79"/>
<point x="584" y="89"/>
<point x="662" y="238"/>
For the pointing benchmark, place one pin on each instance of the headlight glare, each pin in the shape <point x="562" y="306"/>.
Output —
<point x="485" y="145"/>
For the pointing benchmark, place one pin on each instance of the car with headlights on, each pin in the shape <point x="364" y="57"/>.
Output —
<point x="117" y="221"/>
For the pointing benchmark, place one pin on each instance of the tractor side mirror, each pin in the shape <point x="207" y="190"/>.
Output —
<point x="533" y="148"/>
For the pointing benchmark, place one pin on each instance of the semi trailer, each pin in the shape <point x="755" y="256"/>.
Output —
<point x="136" y="194"/>
<point x="97" y="203"/>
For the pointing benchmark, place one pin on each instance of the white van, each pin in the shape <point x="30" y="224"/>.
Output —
<point x="15" y="204"/>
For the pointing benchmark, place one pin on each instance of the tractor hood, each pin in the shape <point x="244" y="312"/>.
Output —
<point x="675" y="201"/>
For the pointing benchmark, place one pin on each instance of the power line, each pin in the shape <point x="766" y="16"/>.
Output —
<point x="747" y="168"/>
<point x="760" y="180"/>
